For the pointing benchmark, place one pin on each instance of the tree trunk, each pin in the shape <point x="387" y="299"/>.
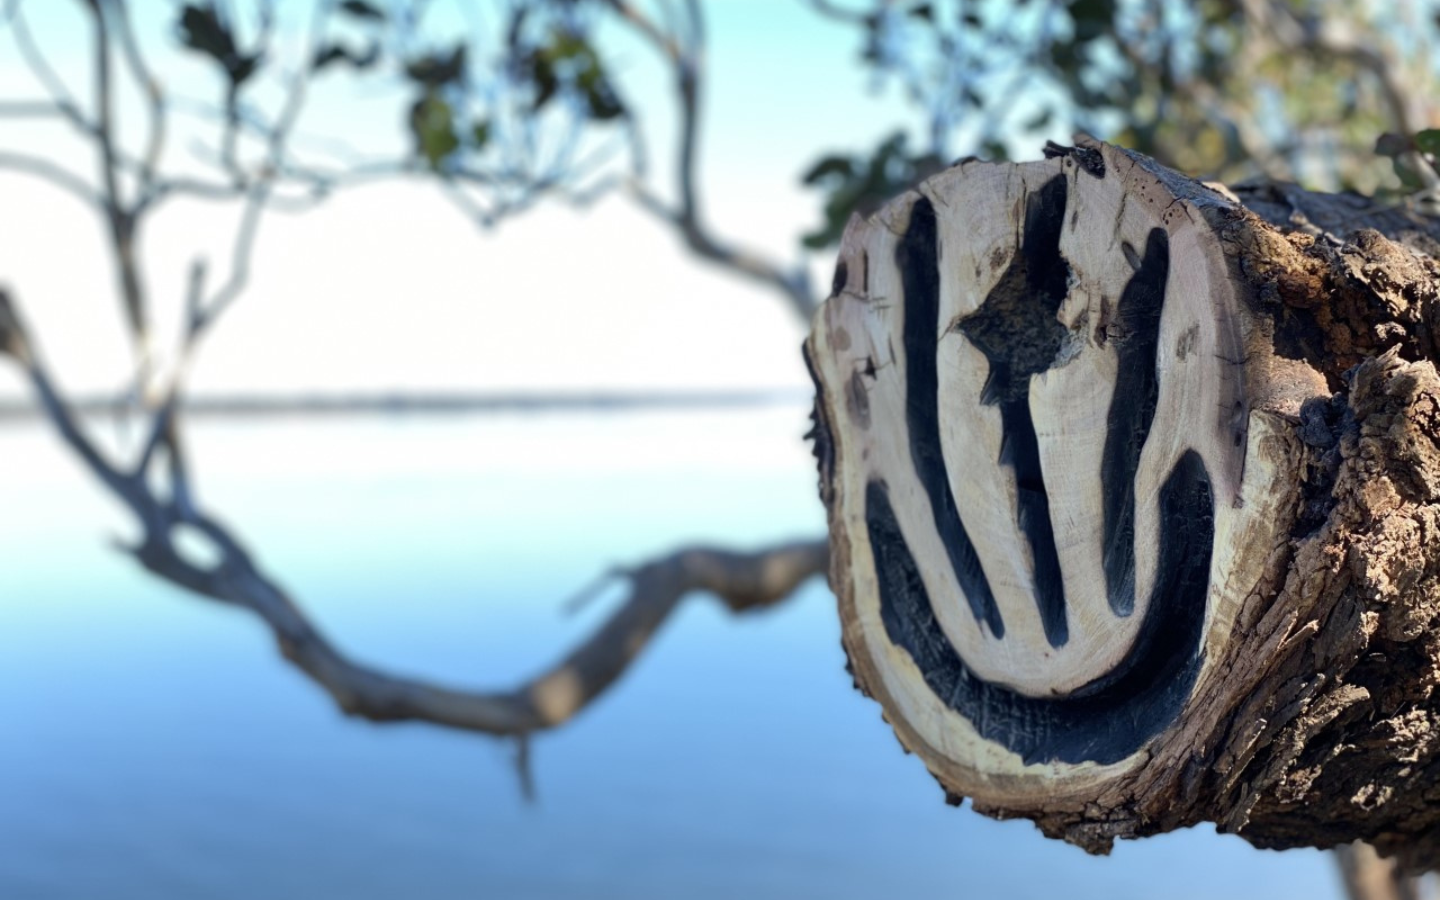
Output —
<point x="1134" y="498"/>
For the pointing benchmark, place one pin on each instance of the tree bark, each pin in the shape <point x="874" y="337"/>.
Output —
<point x="1134" y="499"/>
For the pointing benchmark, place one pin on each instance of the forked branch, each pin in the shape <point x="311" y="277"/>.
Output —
<point x="685" y="54"/>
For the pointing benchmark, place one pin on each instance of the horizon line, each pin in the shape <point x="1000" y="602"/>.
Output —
<point x="244" y="404"/>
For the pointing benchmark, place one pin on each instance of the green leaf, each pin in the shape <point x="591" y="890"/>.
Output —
<point x="546" y="83"/>
<point x="202" y="31"/>
<point x="362" y="10"/>
<point x="994" y="151"/>
<point x="1391" y="145"/>
<point x="241" y="68"/>
<point x="602" y="102"/>
<point x="434" y="70"/>
<point x="1093" y="18"/>
<point x="568" y="62"/>
<point x="432" y="124"/>
<point x="1040" y="121"/>
<point x="924" y="11"/>
<point x="859" y="184"/>
<point x="340" y="53"/>
<point x="829" y="167"/>
<point x="1409" y="178"/>
<point x="480" y="135"/>
<point x="1428" y="141"/>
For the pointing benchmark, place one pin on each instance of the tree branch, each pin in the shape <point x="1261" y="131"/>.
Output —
<point x="154" y="97"/>
<point x="54" y="175"/>
<point x="119" y="218"/>
<point x="740" y="581"/>
<point x="793" y="283"/>
<point x="40" y="67"/>
<point x="839" y="13"/>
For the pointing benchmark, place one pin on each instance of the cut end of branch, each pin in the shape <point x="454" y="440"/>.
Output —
<point x="1126" y="490"/>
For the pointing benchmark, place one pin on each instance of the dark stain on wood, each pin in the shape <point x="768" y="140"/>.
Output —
<point x="857" y="400"/>
<point x="1132" y="409"/>
<point x="1132" y="256"/>
<point x="917" y="258"/>
<point x="820" y="434"/>
<point x="1018" y="331"/>
<point x="1102" y="322"/>
<point x="1186" y="344"/>
<point x="1108" y="719"/>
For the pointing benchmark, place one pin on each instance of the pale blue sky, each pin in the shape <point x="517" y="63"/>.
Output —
<point x="389" y="287"/>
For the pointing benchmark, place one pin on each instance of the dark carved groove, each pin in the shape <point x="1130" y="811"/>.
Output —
<point x="1017" y="330"/>
<point x="917" y="257"/>
<point x="1135" y="332"/>
<point x="1108" y="719"/>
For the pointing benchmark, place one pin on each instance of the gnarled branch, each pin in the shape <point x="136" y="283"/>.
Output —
<point x="741" y="581"/>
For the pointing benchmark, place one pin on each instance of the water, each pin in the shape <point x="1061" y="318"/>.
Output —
<point x="153" y="745"/>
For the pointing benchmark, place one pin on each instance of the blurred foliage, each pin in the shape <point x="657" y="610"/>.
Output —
<point x="860" y="184"/>
<point x="1224" y="89"/>
<point x="202" y="29"/>
<point x="1397" y="148"/>
<point x="467" y="92"/>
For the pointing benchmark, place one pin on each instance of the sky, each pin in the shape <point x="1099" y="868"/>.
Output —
<point x="390" y="287"/>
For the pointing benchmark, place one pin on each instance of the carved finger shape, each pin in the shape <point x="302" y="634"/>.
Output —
<point x="1058" y="430"/>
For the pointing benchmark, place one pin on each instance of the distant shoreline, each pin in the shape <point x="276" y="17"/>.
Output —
<point x="415" y="403"/>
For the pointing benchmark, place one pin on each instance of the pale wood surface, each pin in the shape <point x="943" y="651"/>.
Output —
<point x="1003" y="307"/>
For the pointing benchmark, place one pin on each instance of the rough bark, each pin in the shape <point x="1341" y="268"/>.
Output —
<point x="1134" y="496"/>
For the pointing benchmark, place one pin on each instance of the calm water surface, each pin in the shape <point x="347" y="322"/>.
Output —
<point x="154" y="746"/>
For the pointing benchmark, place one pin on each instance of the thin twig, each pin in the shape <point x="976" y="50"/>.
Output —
<point x="55" y="175"/>
<point x="687" y="60"/>
<point x="40" y="67"/>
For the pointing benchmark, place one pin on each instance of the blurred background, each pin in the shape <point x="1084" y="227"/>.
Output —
<point x="391" y="325"/>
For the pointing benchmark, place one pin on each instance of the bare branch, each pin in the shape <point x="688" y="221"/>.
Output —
<point x="840" y="13"/>
<point x="261" y="188"/>
<point x="154" y="96"/>
<point x="687" y="60"/>
<point x="40" y="67"/>
<point x="740" y="581"/>
<point x="59" y="177"/>
<point x="15" y="342"/>
<point x="119" y="218"/>
<point x="30" y="109"/>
